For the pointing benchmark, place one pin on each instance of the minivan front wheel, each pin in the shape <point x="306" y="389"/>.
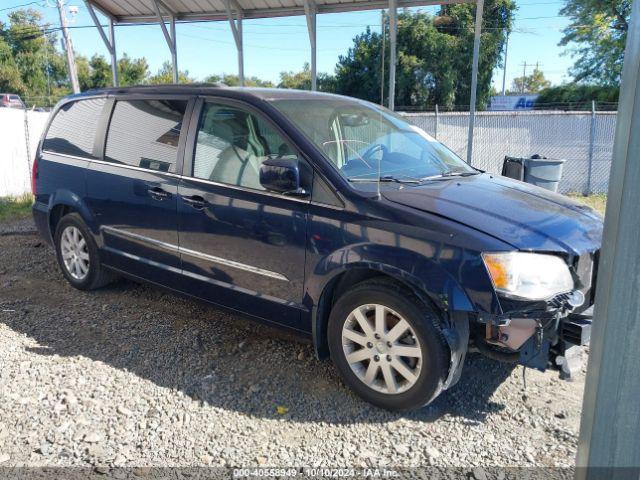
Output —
<point x="77" y="254"/>
<point x="388" y="346"/>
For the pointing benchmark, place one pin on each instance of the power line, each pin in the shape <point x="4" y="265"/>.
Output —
<point x="20" y="6"/>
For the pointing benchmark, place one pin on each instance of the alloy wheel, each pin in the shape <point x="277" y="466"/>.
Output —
<point x="382" y="348"/>
<point x="74" y="251"/>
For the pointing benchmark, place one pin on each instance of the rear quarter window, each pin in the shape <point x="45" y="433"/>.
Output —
<point x="73" y="129"/>
<point x="145" y="133"/>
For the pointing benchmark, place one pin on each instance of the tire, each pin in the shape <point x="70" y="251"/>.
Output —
<point x="422" y="336"/>
<point x="73" y="239"/>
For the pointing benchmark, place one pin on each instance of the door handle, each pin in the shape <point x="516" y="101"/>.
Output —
<point x="158" y="193"/>
<point x="195" y="201"/>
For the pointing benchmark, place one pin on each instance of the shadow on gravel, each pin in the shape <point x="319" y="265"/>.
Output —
<point x="218" y="359"/>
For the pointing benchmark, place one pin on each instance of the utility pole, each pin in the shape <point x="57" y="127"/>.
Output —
<point x="382" y="60"/>
<point x="68" y="47"/>
<point x="504" y="71"/>
<point x="524" y="77"/>
<point x="47" y="67"/>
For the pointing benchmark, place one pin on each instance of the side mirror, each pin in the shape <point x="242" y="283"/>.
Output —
<point x="282" y="175"/>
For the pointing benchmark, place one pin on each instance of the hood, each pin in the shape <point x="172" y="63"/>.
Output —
<point x="526" y="217"/>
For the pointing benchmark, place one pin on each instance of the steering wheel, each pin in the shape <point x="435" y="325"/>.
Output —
<point x="373" y="149"/>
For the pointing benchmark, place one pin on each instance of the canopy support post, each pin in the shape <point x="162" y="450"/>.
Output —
<point x="114" y="58"/>
<point x="609" y="443"/>
<point x="174" y="50"/>
<point x="310" y="11"/>
<point x="169" y="36"/>
<point x="109" y="42"/>
<point x="236" y="30"/>
<point x="393" y="29"/>
<point x="474" y="78"/>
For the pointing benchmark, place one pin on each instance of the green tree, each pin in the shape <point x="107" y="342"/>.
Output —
<point x="434" y="56"/>
<point x="302" y="80"/>
<point x="232" y="80"/>
<point x="100" y="72"/>
<point x="576" y="96"/>
<point x="358" y="73"/>
<point x="297" y="80"/>
<point x="533" y="83"/>
<point x="32" y="66"/>
<point x="34" y="58"/>
<point x="165" y="75"/>
<point x="10" y="78"/>
<point x="96" y="73"/>
<point x="132" y="71"/>
<point x="597" y="33"/>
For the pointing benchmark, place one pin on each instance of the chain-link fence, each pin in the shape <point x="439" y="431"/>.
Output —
<point x="20" y="132"/>
<point x="583" y="139"/>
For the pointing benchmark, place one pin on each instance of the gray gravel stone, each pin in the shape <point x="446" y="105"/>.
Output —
<point x="130" y="375"/>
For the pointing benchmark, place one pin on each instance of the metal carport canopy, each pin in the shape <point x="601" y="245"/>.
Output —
<point x="132" y="11"/>
<point x="234" y="11"/>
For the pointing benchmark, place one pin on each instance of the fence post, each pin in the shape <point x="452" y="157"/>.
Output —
<point x="435" y="135"/>
<point x="592" y="138"/>
<point x="27" y="144"/>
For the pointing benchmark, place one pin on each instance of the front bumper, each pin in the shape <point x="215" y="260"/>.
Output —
<point x="536" y="339"/>
<point x="575" y="332"/>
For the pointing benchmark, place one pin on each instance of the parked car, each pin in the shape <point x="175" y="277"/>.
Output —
<point x="322" y="214"/>
<point x="11" y="100"/>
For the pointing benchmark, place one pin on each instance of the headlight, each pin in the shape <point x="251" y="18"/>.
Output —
<point x="533" y="276"/>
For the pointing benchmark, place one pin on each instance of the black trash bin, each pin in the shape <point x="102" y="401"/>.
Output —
<point x="513" y="167"/>
<point x="537" y="170"/>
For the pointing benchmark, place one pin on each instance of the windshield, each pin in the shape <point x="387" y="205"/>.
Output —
<point x="366" y="142"/>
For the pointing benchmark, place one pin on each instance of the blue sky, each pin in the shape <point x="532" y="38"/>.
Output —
<point x="281" y="44"/>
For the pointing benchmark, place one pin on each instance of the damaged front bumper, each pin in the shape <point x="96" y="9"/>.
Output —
<point x="538" y="337"/>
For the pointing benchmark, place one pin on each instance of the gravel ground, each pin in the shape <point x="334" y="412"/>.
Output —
<point x="132" y="376"/>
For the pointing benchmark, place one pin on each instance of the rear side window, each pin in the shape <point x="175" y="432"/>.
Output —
<point x="145" y="133"/>
<point x="73" y="129"/>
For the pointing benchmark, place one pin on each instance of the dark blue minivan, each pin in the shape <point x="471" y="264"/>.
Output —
<point x="323" y="214"/>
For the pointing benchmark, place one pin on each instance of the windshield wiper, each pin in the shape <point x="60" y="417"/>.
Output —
<point x="451" y="174"/>
<point x="460" y="174"/>
<point x="386" y="178"/>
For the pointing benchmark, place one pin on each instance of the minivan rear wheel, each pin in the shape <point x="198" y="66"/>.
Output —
<point x="77" y="254"/>
<point x="388" y="346"/>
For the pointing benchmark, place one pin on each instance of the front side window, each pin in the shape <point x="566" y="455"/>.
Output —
<point x="73" y="129"/>
<point x="231" y="145"/>
<point x="145" y="133"/>
<point x="366" y="142"/>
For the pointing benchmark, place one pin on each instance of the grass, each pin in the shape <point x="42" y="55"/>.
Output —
<point x="598" y="202"/>
<point x="15" y="208"/>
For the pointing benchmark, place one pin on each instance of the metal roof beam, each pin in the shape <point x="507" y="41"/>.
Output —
<point x="236" y="30"/>
<point x="310" y="11"/>
<point x="170" y="11"/>
<point x="109" y="42"/>
<point x="393" y="29"/>
<point x="474" y="78"/>
<point x="160" y="19"/>
<point x="289" y="11"/>
<point x="99" y="8"/>
<point x="169" y="36"/>
<point x="98" y="25"/>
